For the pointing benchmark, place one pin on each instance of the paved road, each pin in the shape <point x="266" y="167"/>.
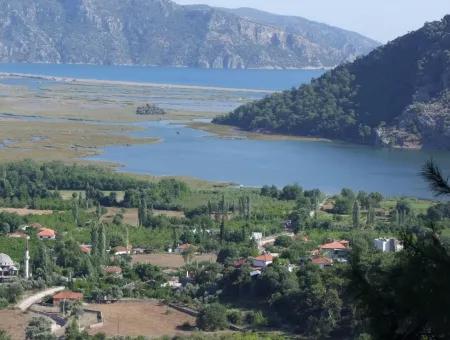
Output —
<point x="35" y="298"/>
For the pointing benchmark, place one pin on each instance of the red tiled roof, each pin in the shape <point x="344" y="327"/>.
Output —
<point x="321" y="260"/>
<point x="264" y="257"/>
<point x="68" y="295"/>
<point x="333" y="245"/>
<point x="45" y="232"/>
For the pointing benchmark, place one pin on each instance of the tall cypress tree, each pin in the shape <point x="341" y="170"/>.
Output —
<point x="356" y="214"/>
<point x="94" y="239"/>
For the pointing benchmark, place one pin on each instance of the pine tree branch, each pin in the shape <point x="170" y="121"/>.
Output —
<point x="433" y="175"/>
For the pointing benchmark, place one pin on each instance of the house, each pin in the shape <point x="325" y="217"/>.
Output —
<point x="8" y="269"/>
<point x="322" y="261"/>
<point x="182" y="248"/>
<point x="387" y="245"/>
<point x="66" y="296"/>
<point x="46" y="234"/>
<point x="336" y="250"/>
<point x="121" y="250"/>
<point x="86" y="248"/>
<point x="335" y="245"/>
<point x="113" y="271"/>
<point x="263" y="260"/>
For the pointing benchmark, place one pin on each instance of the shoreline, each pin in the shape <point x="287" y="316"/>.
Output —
<point x="226" y="131"/>
<point x="89" y="81"/>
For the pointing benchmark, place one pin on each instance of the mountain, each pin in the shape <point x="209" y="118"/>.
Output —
<point x="160" y="32"/>
<point x="341" y="44"/>
<point x="398" y="95"/>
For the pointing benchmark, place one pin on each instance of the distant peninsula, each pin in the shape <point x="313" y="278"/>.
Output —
<point x="398" y="96"/>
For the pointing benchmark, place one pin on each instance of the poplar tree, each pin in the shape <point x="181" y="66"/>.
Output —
<point x="356" y="214"/>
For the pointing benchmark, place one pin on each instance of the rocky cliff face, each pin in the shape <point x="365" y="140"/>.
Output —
<point x="160" y="32"/>
<point x="420" y="125"/>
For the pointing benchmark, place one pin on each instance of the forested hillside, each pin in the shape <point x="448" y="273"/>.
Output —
<point x="398" y="95"/>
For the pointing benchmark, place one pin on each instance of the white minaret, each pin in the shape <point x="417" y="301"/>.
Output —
<point x="27" y="261"/>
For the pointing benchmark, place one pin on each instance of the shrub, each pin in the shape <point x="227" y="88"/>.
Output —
<point x="212" y="317"/>
<point x="234" y="317"/>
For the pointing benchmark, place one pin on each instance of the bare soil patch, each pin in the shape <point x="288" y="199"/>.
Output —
<point x="169" y="213"/>
<point x="170" y="260"/>
<point x="147" y="318"/>
<point x="14" y="323"/>
<point x="130" y="215"/>
<point x="26" y="212"/>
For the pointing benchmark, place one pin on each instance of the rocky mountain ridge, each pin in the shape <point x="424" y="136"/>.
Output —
<point x="160" y="32"/>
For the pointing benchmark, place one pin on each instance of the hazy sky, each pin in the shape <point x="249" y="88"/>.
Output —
<point x="382" y="20"/>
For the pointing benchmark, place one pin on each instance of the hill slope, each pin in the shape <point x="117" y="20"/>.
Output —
<point x="397" y="95"/>
<point x="160" y="32"/>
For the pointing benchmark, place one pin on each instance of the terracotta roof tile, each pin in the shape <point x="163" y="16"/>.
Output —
<point x="68" y="295"/>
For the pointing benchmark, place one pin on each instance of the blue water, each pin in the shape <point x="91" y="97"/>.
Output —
<point x="328" y="166"/>
<point x="187" y="152"/>
<point x="248" y="79"/>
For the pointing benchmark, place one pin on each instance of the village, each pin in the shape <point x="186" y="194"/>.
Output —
<point x="161" y="258"/>
<point x="55" y="303"/>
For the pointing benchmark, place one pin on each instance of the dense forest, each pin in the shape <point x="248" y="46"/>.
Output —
<point x="397" y="95"/>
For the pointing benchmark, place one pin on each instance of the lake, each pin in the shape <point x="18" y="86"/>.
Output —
<point x="328" y="166"/>
<point x="188" y="152"/>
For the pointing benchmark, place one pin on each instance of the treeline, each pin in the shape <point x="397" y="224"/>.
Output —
<point x="28" y="183"/>
<point x="352" y="101"/>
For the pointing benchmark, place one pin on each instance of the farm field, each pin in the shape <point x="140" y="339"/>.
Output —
<point x="149" y="318"/>
<point x="25" y="211"/>
<point x="170" y="260"/>
<point x="14" y="323"/>
<point x="130" y="215"/>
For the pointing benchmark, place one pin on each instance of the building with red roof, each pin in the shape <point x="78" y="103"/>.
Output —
<point x="46" y="234"/>
<point x="322" y="261"/>
<point x="66" y="295"/>
<point x="335" y="245"/>
<point x="263" y="260"/>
